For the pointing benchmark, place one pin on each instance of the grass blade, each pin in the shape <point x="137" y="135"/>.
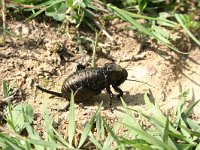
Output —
<point x="127" y="17"/>
<point x="112" y="133"/>
<point x="5" y="89"/>
<point x="48" y="125"/>
<point x="33" y="135"/>
<point x="186" y="146"/>
<point x="149" y="138"/>
<point x="46" y="144"/>
<point x="166" y="131"/>
<point x="136" y="143"/>
<point x="180" y="116"/>
<point x="94" y="141"/>
<point x="71" y="120"/>
<point x="178" y="18"/>
<point x="180" y="105"/>
<point x="121" y="13"/>
<point x="110" y="138"/>
<point x="88" y="127"/>
<point x="60" y="139"/>
<point x="138" y="16"/>
<point x="69" y="3"/>
<point x="198" y="147"/>
<point x="27" y="145"/>
<point x="11" y="142"/>
<point x="173" y="132"/>
<point x="128" y="117"/>
<point x="154" y="109"/>
<point x="100" y="128"/>
<point x="190" y="107"/>
<point x="13" y="145"/>
<point x="193" y="125"/>
<point x="192" y="133"/>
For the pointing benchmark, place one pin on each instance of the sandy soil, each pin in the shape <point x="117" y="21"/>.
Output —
<point x="42" y="53"/>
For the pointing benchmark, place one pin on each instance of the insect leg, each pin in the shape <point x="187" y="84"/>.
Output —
<point x="111" y="97"/>
<point x="118" y="90"/>
<point x="66" y="108"/>
<point x="107" y="85"/>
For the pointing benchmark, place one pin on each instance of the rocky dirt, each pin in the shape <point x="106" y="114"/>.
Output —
<point x="45" y="53"/>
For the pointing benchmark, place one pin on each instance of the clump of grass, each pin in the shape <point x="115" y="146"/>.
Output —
<point x="164" y="132"/>
<point x="183" y="133"/>
<point x="71" y="11"/>
<point x="90" y="12"/>
<point x="154" y="31"/>
<point x="20" y="117"/>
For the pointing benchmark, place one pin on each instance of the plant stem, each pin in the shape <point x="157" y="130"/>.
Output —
<point x="3" y="10"/>
<point x="95" y="47"/>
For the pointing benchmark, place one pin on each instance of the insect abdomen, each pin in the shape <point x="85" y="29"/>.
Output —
<point x="86" y="83"/>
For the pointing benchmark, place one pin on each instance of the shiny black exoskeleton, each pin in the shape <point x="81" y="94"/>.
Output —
<point x="89" y="82"/>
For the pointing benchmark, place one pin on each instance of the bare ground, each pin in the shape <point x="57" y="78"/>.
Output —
<point x="43" y="53"/>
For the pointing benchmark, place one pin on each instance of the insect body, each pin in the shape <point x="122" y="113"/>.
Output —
<point x="91" y="81"/>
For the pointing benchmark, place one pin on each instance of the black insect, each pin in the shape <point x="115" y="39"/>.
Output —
<point x="91" y="81"/>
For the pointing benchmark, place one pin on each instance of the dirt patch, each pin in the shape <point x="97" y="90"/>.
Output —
<point x="41" y="53"/>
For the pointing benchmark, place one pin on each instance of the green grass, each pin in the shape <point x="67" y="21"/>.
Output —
<point x="154" y="31"/>
<point x="177" y="131"/>
<point x="157" y="14"/>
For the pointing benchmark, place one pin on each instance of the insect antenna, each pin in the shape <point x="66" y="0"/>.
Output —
<point x="142" y="82"/>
